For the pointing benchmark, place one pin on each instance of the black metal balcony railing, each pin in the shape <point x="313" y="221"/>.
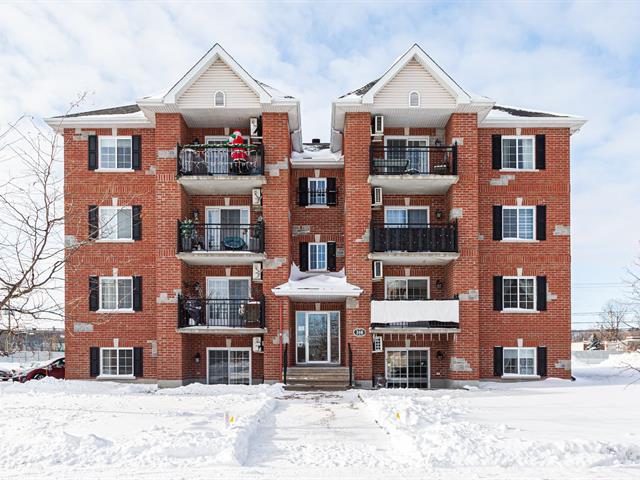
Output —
<point x="431" y="160"/>
<point x="219" y="159"/>
<point x="218" y="237"/>
<point x="394" y="237"/>
<point x="231" y="313"/>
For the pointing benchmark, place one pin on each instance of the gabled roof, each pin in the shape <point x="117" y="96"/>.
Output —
<point x="367" y="92"/>
<point x="502" y="116"/>
<point x="104" y="111"/>
<point x="265" y="93"/>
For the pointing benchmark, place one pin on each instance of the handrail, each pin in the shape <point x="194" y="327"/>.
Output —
<point x="284" y="363"/>
<point x="350" y="365"/>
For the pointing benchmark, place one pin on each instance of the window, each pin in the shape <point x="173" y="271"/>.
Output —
<point x="317" y="256"/>
<point x="518" y="223"/>
<point x="229" y="366"/>
<point x="406" y="288"/>
<point x="407" y="367"/>
<point x="317" y="191"/>
<point x="116" y="293"/>
<point x="219" y="99"/>
<point x="114" y="152"/>
<point x="519" y="361"/>
<point x="518" y="152"/>
<point x="518" y="293"/>
<point x="116" y="362"/>
<point x="115" y="223"/>
<point x="407" y="154"/>
<point x="414" y="99"/>
<point x="402" y="217"/>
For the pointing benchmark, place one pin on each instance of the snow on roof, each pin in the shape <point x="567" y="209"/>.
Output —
<point x="503" y="111"/>
<point x="358" y="92"/>
<point x="304" y="284"/>
<point x="317" y="153"/>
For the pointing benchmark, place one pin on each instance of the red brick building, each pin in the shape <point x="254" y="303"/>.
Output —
<point x="426" y="245"/>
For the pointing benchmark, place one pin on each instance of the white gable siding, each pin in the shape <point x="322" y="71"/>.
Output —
<point x="219" y="77"/>
<point x="413" y="77"/>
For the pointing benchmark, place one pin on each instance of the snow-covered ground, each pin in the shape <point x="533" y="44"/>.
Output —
<point x="587" y="429"/>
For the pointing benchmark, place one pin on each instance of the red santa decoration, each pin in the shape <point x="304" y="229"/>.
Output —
<point x="238" y="154"/>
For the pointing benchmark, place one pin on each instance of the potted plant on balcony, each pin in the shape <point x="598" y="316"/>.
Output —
<point x="187" y="231"/>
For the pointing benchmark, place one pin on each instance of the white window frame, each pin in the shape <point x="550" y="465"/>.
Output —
<point x="118" y="375"/>
<point x="228" y="350"/>
<point x="311" y="180"/>
<point x="412" y="207"/>
<point x="116" y="209"/>
<point x="520" y="309"/>
<point x="224" y="99"/>
<point x="215" y="139"/>
<point x="519" y="350"/>
<point x="403" y="349"/>
<point x="116" y="278"/>
<point x="406" y="279"/>
<point x="419" y="99"/>
<point x="306" y="326"/>
<point x="101" y="138"/>
<point x="517" y="238"/>
<point x="326" y="259"/>
<point x="516" y="168"/>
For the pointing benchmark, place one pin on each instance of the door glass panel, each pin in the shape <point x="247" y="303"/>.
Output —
<point x="335" y="336"/>
<point x="218" y="366"/>
<point x="301" y="338"/>
<point x="239" y="367"/>
<point x="239" y="289"/>
<point x="418" y="289"/>
<point x="418" y="217"/>
<point x="397" y="289"/>
<point x="212" y="233"/>
<point x="418" y="369"/>
<point x="396" y="149"/>
<point x="418" y="156"/>
<point x="397" y="368"/>
<point x="317" y="344"/>
<point x="396" y="218"/>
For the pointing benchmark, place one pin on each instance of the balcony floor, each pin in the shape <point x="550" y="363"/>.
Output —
<point x="221" y="258"/>
<point x="220" y="184"/>
<point x="414" y="184"/>
<point x="414" y="258"/>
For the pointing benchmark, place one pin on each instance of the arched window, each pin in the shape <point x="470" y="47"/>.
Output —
<point x="414" y="99"/>
<point x="219" y="99"/>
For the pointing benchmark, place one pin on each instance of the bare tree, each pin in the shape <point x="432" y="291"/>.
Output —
<point x="614" y="319"/>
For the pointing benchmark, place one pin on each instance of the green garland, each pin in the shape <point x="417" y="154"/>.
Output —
<point x="219" y="145"/>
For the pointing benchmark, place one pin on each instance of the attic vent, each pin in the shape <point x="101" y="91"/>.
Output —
<point x="414" y="99"/>
<point x="219" y="99"/>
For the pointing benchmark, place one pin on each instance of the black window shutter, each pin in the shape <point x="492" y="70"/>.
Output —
<point x="541" y="288"/>
<point x="497" y="362"/>
<point x="542" y="361"/>
<point x="496" y="151"/>
<point x="136" y="152"/>
<point x="137" y="362"/>
<point x="303" y="191"/>
<point x="137" y="294"/>
<point x="497" y="293"/>
<point x="332" y="194"/>
<point x="541" y="160"/>
<point x="136" y="213"/>
<point x="331" y="256"/>
<point x="94" y="361"/>
<point x="497" y="222"/>
<point x="304" y="256"/>
<point x="94" y="294"/>
<point x="93" y="152"/>
<point x="541" y="222"/>
<point x="93" y="222"/>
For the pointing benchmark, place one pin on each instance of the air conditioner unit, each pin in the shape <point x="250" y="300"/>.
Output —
<point x="376" y="198"/>
<point x="378" y="125"/>
<point x="256" y="197"/>
<point x="377" y="344"/>
<point x="258" y="346"/>
<point x="255" y="127"/>
<point x="256" y="274"/>
<point x="377" y="269"/>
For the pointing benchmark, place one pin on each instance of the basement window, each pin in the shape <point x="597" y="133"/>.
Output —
<point x="116" y="362"/>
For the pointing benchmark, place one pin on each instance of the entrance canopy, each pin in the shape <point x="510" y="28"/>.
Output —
<point x="304" y="286"/>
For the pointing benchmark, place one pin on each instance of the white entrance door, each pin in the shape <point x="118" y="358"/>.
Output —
<point x="317" y="337"/>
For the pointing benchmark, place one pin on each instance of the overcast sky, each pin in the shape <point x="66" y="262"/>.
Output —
<point x="576" y="57"/>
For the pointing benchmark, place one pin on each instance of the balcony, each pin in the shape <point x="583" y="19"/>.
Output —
<point x="228" y="316"/>
<point x="410" y="316"/>
<point x="427" y="170"/>
<point x="220" y="244"/>
<point x="220" y="168"/>
<point x="406" y="244"/>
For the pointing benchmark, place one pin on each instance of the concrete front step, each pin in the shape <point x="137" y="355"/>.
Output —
<point x="315" y="388"/>
<point x="317" y="378"/>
